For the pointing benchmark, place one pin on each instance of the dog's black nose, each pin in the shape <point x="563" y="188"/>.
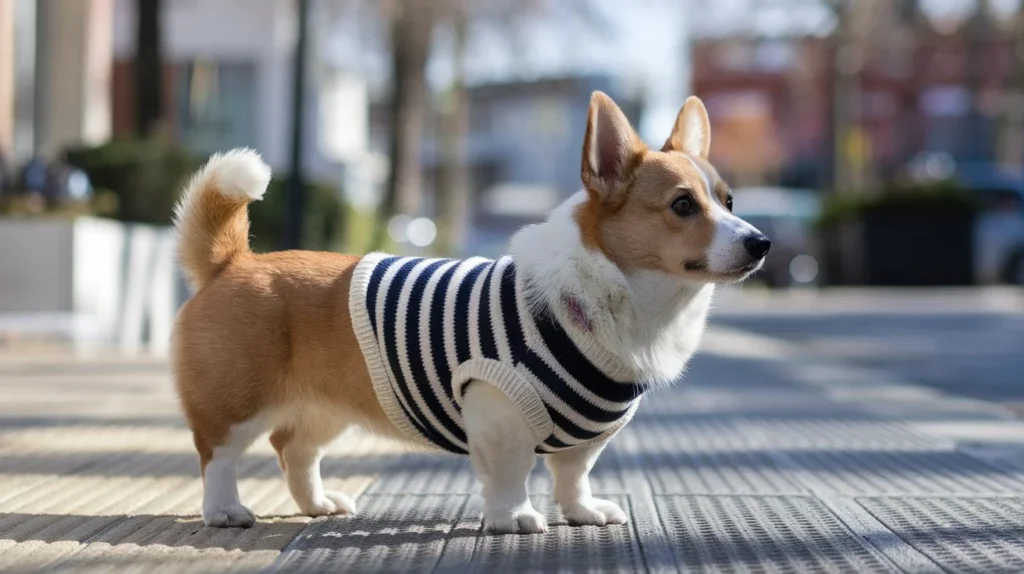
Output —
<point x="757" y="245"/>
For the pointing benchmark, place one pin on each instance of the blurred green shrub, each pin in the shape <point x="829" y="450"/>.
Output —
<point x="142" y="177"/>
<point x="927" y="200"/>
<point x="326" y="216"/>
<point x="141" y="180"/>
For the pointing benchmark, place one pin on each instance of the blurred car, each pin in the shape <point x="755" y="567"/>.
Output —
<point x="999" y="230"/>
<point x="786" y="216"/>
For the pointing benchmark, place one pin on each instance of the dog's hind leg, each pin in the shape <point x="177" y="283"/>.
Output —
<point x="221" y="504"/>
<point x="299" y="447"/>
<point x="501" y="449"/>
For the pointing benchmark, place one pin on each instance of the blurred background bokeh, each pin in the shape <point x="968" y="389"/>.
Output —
<point x="878" y="142"/>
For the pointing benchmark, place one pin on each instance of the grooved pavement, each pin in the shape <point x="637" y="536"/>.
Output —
<point x="764" y="460"/>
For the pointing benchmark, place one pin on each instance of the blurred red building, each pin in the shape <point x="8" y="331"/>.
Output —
<point x="770" y="101"/>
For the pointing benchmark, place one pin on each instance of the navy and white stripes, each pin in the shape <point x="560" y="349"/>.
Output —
<point x="428" y="326"/>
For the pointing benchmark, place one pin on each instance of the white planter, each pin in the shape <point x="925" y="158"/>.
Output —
<point x="90" y="281"/>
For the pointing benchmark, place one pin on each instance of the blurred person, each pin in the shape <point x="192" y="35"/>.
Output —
<point x="34" y="177"/>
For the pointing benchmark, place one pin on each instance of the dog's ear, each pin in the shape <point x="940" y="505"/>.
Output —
<point x="611" y="149"/>
<point x="692" y="132"/>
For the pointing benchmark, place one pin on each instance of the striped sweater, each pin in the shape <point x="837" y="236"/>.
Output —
<point x="427" y="327"/>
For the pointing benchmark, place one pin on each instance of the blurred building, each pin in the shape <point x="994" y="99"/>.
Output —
<point x="228" y="82"/>
<point x="524" y="145"/>
<point x="770" y="102"/>
<point x="6" y="76"/>
<point x="66" y="79"/>
<point x="54" y="74"/>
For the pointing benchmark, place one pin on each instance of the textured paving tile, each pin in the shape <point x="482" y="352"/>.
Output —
<point x="815" y="432"/>
<point x="426" y="473"/>
<point x="766" y="464"/>
<point x="902" y="472"/>
<point x="768" y="402"/>
<point x="113" y="495"/>
<point x="425" y="533"/>
<point x="390" y="534"/>
<point x="33" y="541"/>
<point x="429" y="473"/>
<point x="562" y="549"/>
<point x="688" y="457"/>
<point x="764" y="534"/>
<point x="983" y="535"/>
<point x="136" y="544"/>
<point x="718" y="473"/>
<point x="165" y="543"/>
<point x="935" y="409"/>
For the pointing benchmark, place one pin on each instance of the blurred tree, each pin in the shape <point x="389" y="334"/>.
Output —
<point x="295" y="208"/>
<point x="410" y="25"/>
<point x="911" y="27"/>
<point x="978" y="36"/>
<point x="1010" y="147"/>
<point x="410" y="28"/>
<point x="855" y="22"/>
<point x="453" y="185"/>
<point x="142" y="176"/>
<point x="148" y="66"/>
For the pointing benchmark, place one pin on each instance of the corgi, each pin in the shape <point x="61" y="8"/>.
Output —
<point x="544" y="352"/>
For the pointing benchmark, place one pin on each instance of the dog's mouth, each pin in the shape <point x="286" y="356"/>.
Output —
<point x="735" y="274"/>
<point x="744" y="270"/>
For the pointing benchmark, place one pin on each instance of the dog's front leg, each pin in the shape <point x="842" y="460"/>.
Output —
<point x="571" y="471"/>
<point x="501" y="449"/>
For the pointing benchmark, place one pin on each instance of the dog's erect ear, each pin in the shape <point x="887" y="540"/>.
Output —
<point x="611" y="149"/>
<point x="692" y="132"/>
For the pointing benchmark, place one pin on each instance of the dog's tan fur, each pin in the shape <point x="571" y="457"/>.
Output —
<point x="263" y="331"/>
<point x="272" y="333"/>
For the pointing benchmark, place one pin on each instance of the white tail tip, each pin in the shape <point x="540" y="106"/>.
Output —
<point x="240" y="172"/>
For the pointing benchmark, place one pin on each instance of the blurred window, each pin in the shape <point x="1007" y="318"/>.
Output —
<point x="739" y="103"/>
<point x="481" y="117"/>
<point x="216" y="105"/>
<point x="878" y="104"/>
<point x="550" y="117"/>
<point x="946" y="101"/>
<point x="775" y="56"/>
<point x="733" y="56"/>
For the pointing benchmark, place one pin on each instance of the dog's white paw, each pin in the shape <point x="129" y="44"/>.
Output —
<point x="594" y="512"/>
<point x="228" y="516"/>
<point x="523" y="521"/>
<point x="332" y="502"/>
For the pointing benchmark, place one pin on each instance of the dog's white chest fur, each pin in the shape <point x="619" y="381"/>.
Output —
<point x="651" y="322"/>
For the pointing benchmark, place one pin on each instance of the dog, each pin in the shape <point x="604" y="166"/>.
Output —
<point x="546" y="351"/>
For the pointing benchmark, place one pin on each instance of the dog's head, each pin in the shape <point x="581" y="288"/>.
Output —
<point x="666" y="210"/>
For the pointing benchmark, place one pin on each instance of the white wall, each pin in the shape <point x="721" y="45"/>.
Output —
<point x="35" y="266"/>
<point x="94" y="282"/>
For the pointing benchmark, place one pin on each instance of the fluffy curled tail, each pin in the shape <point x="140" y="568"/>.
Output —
<point x="212" y="219"/>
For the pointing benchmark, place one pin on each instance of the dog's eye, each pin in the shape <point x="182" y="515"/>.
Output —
<point x="683" y="206"/>
<point x="728" y="202"/>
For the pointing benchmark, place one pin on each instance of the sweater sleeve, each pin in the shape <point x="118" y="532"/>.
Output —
<point x="507" y="380"/>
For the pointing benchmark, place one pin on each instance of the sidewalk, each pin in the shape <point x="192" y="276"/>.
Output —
<point x="763" y="461"/>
